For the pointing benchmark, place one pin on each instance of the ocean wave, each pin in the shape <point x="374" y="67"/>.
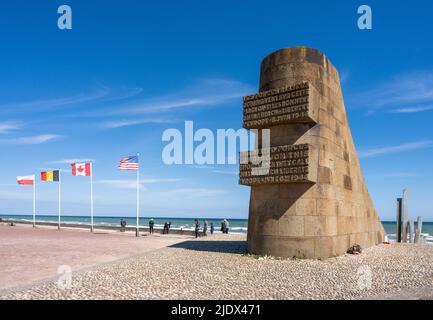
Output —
<point x="427" y="237"/>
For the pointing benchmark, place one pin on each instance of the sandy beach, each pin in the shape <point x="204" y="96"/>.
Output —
<point x="121" y="266"/>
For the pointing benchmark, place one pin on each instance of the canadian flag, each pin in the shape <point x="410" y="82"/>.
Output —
<point x="81" y="169"/>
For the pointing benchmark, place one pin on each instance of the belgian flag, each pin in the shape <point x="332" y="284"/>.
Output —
<point x="50" y="176"/>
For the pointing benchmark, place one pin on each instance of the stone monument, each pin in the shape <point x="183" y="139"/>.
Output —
<point x="312" y="202"/>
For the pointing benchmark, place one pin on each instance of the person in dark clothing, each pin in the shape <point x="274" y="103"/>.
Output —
<point x="151" y="223"/>
<point x="196" y="228"/>
<point x="165" y="231"/>
<point x="122" y="225"/>
<point x="205" y="228"/>
<point x="169" y="226"/>
<point x="212" y="228"/>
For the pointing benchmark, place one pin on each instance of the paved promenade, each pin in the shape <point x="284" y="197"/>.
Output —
<point x="28" y="255"/>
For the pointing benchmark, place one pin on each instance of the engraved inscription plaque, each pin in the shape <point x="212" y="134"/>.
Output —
<point x="282" y="164"/>
<point x="291" y="104"/>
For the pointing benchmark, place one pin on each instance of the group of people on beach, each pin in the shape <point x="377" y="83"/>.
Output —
<point x="167" y="226"/>
<point x="224" y="227"/>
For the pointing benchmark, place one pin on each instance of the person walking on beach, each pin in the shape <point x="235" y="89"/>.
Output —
<point x="226" y="223"/>
<point x="169" y="226"/>
<point x="212" y="228"/>
<point x="225" y="226"/>
<point x="151" y="223"/>
<point x="122" y="225"/>
<point x="204" y="228"/>
<point x="196" y="228"/>
<point x="165" y="231"/>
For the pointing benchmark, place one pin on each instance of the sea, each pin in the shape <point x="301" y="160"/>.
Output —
<point x="236" y="225"/>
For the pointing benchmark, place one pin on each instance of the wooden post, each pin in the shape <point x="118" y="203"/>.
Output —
<point x="418" y="230"/>
<point x="405" y="214"/>
<point x="411" y="231"/>
<point x="398" y="219"/>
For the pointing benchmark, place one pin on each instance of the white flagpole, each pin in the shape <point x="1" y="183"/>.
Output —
<point x="34" y="202"/>
<point x="137" y="233"/>
<point x="60" y="198"/>
<point x="91" y="196"/>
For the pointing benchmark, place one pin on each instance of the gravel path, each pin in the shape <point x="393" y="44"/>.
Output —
<point x="220" y="269"/>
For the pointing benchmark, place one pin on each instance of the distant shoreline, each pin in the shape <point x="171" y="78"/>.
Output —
<point x="181" y="225"/>
<point x="157" y="230"/>
<point x="156" y="217"/>
<point x="128" y="216"/>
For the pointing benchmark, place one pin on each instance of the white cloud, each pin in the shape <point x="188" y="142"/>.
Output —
<point x="215" y="169"/>
<point x="379" y="151"/>
<point x="102" y="94"/>
<point x="132" y="184"/>
<point x="9" y="126"/>
<point x="392" y="175"/>
<point x="39" y="139"/>
<point x="11" y="195"/>
<point x="344" y="76"/>
<point x="413" y="109"/>
<point x="231" y="172"/>
<point x="70" y="161"/>
<point x="132" y="122"/>
<point x="408" y="93"/>
<point x="52" y="168"/>
<point x="195" y="192"/>
<point x="206" y="92"/>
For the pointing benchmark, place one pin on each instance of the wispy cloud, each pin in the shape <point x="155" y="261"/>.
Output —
<point x="196" y="192"/>
<point x="132" y="184"/>
<point x="131" y="122"/>
<point x="11" y="195"/>
<point x="53" y="168"/>
<point x="380" y="151"/>
<point x="206" y="92"/>
<point x="392" y="175"/>
<point x="230" y="172"/>
<point x="10" y="126"/>
<point x="101" y="94"/>
<point x="413" y="109"/>
<point x="405" y="93"/>
<point x="70" y="161"/>
<point x="344" y="76"/>
<point x="215" y="169"/>
<point x="38" y="139"/>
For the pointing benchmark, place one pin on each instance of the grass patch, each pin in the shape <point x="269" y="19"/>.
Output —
<point x="261" y="256"/>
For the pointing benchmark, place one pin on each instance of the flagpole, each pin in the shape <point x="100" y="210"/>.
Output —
<point x="91" y="196"/>
<point x="34" y="202"/>
<point x="60" y="198"/>
<point x="137" y="233"/>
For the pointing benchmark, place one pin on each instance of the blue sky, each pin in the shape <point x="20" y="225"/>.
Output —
<point x="129" y="70"/>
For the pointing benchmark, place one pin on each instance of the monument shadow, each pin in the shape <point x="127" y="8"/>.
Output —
<point x="220" y="246"/>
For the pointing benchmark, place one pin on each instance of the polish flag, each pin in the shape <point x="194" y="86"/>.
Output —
<point x="29" y="180"/>
<point x="81" y="169"/>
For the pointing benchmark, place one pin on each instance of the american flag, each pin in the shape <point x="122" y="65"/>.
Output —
<point x="129" y="163"/>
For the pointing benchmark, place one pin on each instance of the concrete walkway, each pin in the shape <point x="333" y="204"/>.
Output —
<point x="28" y="255"/>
